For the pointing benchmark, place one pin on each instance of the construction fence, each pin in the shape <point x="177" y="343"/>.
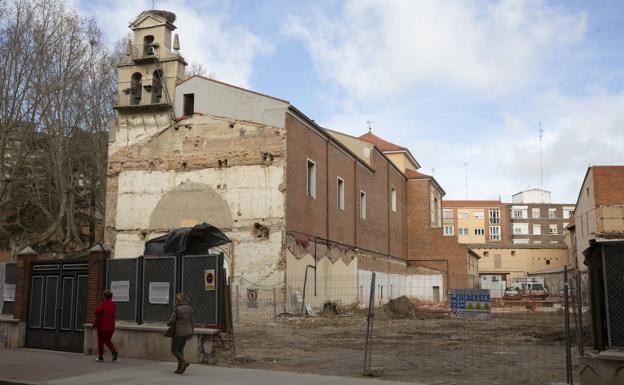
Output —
<point x="425" y="329"/>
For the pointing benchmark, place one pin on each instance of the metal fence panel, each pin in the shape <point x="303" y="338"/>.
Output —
<point x="614" y="268"/>
<point x="156" y="273"/>
<point x="200" y="282"/>
<point x="125" y="270"/>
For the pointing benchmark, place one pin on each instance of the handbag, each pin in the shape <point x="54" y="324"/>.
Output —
<point x="170" y="331"/>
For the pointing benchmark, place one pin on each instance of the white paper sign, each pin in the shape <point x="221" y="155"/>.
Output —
<point x="9" y="292"/>
<point x="121" y="291"/>
<point x="159" y="293"/>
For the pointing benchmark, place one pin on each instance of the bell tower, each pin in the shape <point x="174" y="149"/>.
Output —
<point x="147" y="76"/>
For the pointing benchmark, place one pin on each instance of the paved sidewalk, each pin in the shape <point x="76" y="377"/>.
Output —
<point x="30" y="366"/>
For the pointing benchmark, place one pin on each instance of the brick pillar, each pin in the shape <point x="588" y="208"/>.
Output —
<point x="98" y="255"/>
<point x="22" y="280"/>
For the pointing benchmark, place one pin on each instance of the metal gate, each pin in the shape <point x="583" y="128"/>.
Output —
<point x="57" y="305"/>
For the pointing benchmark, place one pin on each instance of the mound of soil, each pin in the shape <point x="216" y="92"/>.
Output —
<point x="398" y="308"/>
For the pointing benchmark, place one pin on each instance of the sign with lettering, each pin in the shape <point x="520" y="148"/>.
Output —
<point x="9" y="292"/>
<point x="471" y="303"/>
<point x="159" y="293"/>
<point x="121" y="291"/>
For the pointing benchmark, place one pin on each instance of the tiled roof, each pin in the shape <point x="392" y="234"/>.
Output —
<point x="411" y="174"/>
<point x="383" y="145"/>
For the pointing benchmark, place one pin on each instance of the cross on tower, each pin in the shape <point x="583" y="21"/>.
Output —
<point x="370" y="125"/>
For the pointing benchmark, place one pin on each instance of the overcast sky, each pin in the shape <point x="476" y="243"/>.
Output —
<point x="454" y="81"/>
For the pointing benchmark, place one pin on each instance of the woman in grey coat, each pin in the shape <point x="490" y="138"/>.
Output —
<point x="182" y="321"/>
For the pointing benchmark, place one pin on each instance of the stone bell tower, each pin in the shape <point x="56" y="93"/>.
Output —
<point x="146" y="79"/>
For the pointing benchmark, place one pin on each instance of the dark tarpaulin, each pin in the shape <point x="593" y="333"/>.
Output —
<point x="186" y="241"/>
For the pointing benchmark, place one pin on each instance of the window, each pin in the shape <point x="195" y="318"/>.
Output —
<point x="552" y="229"/>
<point x="340" y="190"/>
<point x="567" y="212"/>
<point x="519" y="213"/>
<point x="362" y="205"/>
<point x="494" y="216"/>
<point x="189" y="104"/>
<point x="548" y="261"/>
<point x="520" y="228"/>
<point x="393" y="199"/>
<point x="447" y="213"/>
<point x="537" y="229"/>
<point x="494" y="233"/>
<point x="479" y="231"/>
<point x="462" y="231"/>
<point x="157" y="86"/>
<point x="535" y="213"/>
<point x="136" y="89"/>
<point x="311" y="179"/>
<point x="449" y="230"/>
<point x="552" y="213"/>
<point x="478" y="214"/>
<point x="513" y="253"/>
<point x="486" y="253"/>
<point x="462" y="214"/>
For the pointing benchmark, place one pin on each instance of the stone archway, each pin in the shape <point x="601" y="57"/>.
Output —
<point x="189" y="204"/>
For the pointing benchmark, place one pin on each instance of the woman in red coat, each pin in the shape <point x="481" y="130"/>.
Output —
<point x="105" y="325"/>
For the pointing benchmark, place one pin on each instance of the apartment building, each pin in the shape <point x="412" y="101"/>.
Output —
<point x="476" y="221"/>
<point x="286" y="191"/>
<point x="535" y="220"/>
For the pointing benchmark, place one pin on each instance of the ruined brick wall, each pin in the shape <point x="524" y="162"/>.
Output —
<point x="427" y="243"/>
<point x="224" y="171"/>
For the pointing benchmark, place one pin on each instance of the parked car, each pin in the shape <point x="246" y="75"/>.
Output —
<point x="512" y="293"/>
<point x="536" y="291"/>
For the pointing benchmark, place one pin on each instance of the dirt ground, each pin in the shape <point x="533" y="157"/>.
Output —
<point x="427" y="346"/>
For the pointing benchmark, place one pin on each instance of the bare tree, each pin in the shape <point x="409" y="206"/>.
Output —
<point x="60" y="81"/>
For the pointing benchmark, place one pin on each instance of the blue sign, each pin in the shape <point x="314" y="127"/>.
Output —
<point x="471" y="303"/>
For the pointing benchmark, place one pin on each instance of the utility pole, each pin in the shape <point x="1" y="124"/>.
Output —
<point x="541" y="132"/>
<point x="466" y="174"/>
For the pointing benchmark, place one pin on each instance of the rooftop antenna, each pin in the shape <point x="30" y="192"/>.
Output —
<point x="466" y="173"/>
<point x="370" y="125"/>
<point x="541" y="132"/>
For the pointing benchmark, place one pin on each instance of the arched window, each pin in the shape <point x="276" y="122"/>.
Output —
<point x="157" y="87"/>
<point x="148" y="49"/>
<point x="135" y="89"/>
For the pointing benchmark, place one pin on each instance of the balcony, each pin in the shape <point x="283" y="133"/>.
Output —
<point x="147" y="101"/>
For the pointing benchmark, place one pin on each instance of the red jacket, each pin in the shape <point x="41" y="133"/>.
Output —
<point x="105" y="315"/>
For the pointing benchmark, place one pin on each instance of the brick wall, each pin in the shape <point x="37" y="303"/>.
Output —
<point x="97" y="263"/>
<point x="608" y="185"/>
<point x="382" y="231"/>
<point x="427" y="243"/>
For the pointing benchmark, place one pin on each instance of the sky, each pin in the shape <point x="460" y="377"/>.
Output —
<point x="465" y="85"/>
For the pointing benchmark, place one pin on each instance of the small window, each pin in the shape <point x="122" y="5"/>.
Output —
<point x="393" y="199"/>
<point x="447" y="213"/>
<point x="486" y="253"/>
<point x="340" y="190"/>
<point x="548" y="261"/>
<point x="552" y="229"/>
<point x="462" y="214"/>
<point x="462" y="231"/>
<point x="537" y="229"/>
<point x="479" y="231"/>
<point x="513" y="253"/>
<point x="535" y="213"/>
<point x="189" y="104"/>
<point x="311" y="185"/>
<point x="478" y="214"/>
<point x="362" y="205"/>
<point x="552" y="213"/>
<point x="449" y="230"/>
